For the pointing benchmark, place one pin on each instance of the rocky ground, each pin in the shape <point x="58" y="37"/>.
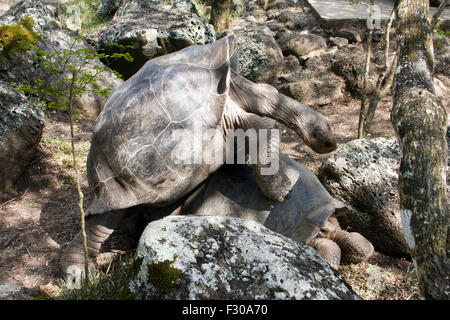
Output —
<point x="39" y="215"/>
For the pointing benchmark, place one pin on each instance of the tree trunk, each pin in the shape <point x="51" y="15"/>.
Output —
<point x="220" y="14"/>
<point x="420" y="123"/>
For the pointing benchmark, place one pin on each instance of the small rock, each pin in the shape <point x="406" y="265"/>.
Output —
<point x="9" y="291"/>
<point x="108" y="7"/>
<point x="352" y="35"/>
<point x="321" y="63"/>
<point x="300" y="45"/>
<point x="281" y="4"/>
<point x="315" y="88"/>
<point x="338" y="41"/>
<point x="292" y="63"/>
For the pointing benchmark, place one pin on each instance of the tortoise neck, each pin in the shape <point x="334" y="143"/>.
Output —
<point x="264" y="100"/>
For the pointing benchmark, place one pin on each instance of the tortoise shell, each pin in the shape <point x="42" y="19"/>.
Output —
<point x="131" y="157"/>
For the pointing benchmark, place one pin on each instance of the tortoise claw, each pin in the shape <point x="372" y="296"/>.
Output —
<point x="74" y="275"/>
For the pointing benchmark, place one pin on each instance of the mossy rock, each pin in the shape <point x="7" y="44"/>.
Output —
<point x="163" y="276"/>
<point x="17" y="37"/>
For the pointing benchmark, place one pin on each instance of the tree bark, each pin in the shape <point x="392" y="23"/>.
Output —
<point x="420" y="123"/>
<point x="220" y="14"/>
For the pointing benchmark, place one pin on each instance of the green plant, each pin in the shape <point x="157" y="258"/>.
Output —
<point x="441" y="32"/>
<point x="70" y="74"/>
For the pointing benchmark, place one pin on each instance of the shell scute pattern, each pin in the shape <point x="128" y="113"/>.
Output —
<point x="130" y="155"/>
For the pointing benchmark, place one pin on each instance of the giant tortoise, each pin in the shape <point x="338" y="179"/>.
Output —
<point x="131" y="161"/>
<point x="307" y="215"/>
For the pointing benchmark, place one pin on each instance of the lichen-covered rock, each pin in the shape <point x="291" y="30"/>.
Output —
<point x="260" y="58"/>
<point x="364" y="175"/>
<point x="321" y="62"/>
<point x="314" y="88"/>
<point x="214" y="257"/>
<point x="11" y="291"/>
<point x="21" y="126"/>
<point x="5" y="4"/>
<point x="242" y="9"/>
<point x="153" y="28"/>
<point x="24" y="67"/>
<point x="43" y="17"/>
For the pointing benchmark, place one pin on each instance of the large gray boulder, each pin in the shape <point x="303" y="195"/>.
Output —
<point x="24" y="67"/>
<point x="210" y="257"/>
<point x="363" y="174"/>
<point x="153" y="28"/>
<point x="21" y="126"/>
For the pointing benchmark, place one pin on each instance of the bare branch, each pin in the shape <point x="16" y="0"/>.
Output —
<point x="362" y="112"/>
<point x="441" y="8"/>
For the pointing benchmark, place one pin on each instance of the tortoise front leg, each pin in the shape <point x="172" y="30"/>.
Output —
<point x="268" y="171"/>
<point x="98" y="229"/>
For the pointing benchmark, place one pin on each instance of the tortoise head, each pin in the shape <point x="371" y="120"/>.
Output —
<point x="315" y="131"/>
<point x="311" y="126"/>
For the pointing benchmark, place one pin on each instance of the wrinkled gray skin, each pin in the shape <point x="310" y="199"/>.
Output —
<point x="233" y="191"/>
<point x="130" y="161"/>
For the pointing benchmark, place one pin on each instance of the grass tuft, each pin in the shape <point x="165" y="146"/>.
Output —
<point x="110" y="283"/>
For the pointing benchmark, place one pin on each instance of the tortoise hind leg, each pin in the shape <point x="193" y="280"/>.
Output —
<point x="98" y="229"/>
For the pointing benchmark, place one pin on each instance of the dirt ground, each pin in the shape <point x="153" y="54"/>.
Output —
<point x="39" y="216"/>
